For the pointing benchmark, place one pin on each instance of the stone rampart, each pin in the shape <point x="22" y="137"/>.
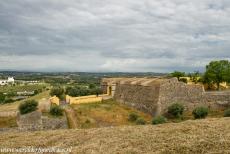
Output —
<point x="155" y="95"/>
<point x="144" y="98"/>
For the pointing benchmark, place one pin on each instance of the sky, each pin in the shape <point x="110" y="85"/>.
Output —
<point x="113" y="35"/>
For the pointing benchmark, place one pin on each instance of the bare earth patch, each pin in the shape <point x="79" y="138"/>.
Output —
<point x="192" y="136"/>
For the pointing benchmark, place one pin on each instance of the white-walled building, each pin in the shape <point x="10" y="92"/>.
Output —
<point x="5" y="82"/>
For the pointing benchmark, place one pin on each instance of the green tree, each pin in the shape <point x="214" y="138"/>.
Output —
<point x="178" y="74"/>
<point x="2" y="98"/>
<point x="217" y="72"/>
<point x="195" y="76"/>
<point x="57" y="91"/>
<point x="92" y="86"/>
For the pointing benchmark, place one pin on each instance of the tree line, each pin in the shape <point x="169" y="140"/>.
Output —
<point x="215" y="73"/>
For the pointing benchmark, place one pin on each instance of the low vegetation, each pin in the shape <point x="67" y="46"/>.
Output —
<point x="140" y="121"/>
<point x="133" y="117"/>
<point x="159" y="120"/>
<point x="176" y="110"/>
<point x="57" y="91"/>
<point x="227" y="113"/>
<point x="8" y="122"/>
<point x="56" y="110"/>
<point x="107" y="113"/>
<point x="200" y="112"/>
<point x="28" y="106"/>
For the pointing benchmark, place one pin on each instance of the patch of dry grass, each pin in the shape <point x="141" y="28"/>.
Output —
<point x="107" y="113"/>
<point x="8" y="122"/>
<point x="14" y="106"/>
<point x="192" y="136"/>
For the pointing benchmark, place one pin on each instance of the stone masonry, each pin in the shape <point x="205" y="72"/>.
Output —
<point x="154" y="95"/>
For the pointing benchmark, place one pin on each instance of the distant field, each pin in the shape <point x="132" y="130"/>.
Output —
<point x="107" y="113"/>
<point x="20" y="88"/>
<point x="14" y="106"/>
<point x="192" y="136"/>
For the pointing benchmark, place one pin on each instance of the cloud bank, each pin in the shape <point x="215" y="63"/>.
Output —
<point x="106" y="35"/>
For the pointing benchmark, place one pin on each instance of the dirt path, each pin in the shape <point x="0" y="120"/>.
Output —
<point x="71" y="117"/>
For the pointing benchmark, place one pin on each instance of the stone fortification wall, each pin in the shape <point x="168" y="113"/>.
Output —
<point x="35" y="121"/>
<point x="31" y="121"/>
<point x="173" y="91"/>
<point x="218" y="99"/>
<point x="155" y="95"/>
<point x="144" y="98"/>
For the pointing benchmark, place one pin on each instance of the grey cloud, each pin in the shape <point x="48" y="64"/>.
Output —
<point x="121" y="35"/>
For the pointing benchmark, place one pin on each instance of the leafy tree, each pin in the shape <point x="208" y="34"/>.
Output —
<point x="92" y="86"/>
<point x="82" y="91"/>
<point x="217" y="72"/>
<point x="194" y="76"/>
<point x="178" y="74"/>
<point x="57" y="91"/>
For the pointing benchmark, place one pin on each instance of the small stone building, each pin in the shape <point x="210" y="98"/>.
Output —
<point x="154" y="95"/>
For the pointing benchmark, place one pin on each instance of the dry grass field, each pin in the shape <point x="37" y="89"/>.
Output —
<point x="192" y="136"/>
<point x="14" y="106"/>
<point x="107" y="113"/>
<point x="8" y="122"/>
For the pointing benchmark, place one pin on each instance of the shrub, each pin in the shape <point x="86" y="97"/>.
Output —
<point x="140" y="121"/>
<point x="28" y="106"/>
<point x="56" y="110"/>
<point x="183" y="80"/>
<point x="159" y="120"/>
<point x="176" y="110"/>
<point x="133" y="117"/>
<point x="200" y="112"/>
<point x="9" y="100"/>
<point x="227" y="113"/>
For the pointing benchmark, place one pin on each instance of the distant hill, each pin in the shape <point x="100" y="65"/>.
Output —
<point x="192" y="136"/>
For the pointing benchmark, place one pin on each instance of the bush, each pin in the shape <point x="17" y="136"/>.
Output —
<point x="140" y="121"/>
<point x="183" y="80"/>
<point x="159" y="120"/>
<point x="227" y="113"/>
<point x="133" y="117"/>
<point x="28" y="106"/>
<point x="9" y="100"/>
<point x="56" y="110"/>
<point x="176" y="110"/>
<point x="200" y="112"/>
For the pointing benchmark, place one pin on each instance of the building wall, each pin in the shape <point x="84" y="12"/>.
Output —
<point x="83" y="99"/>
<point x="55" y="100"/>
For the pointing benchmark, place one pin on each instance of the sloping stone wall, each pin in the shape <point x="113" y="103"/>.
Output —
<point x="31" y="121"/>
<point x="155" y="98"/>
<point x="35" y="121"/>
<point x="173" y="91"/>
<point x="218" y="100"/>
<point x="54" y="123"/>
<point x="144" y="98"/>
